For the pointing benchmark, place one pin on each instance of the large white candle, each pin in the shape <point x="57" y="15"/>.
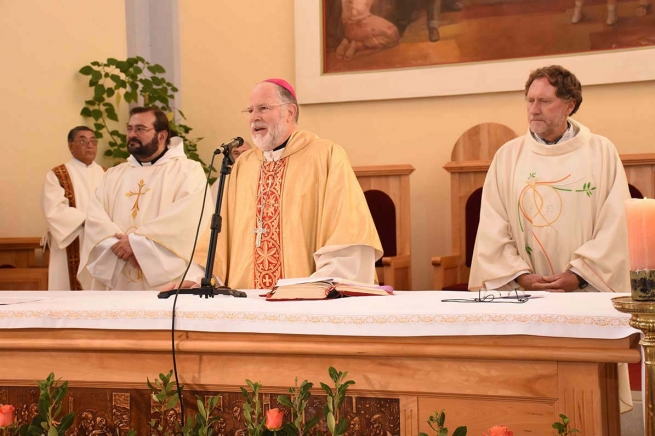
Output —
<point x="640" y="215"/>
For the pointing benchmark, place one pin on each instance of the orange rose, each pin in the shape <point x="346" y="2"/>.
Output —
<point x="499" y="430"/>
<point x="7" y="415"/>
<point x="274" y="419"/>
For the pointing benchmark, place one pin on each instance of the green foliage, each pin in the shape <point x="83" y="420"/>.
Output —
<point x="133" y="80"/>
<point x="437" y="422"/>
<point x="563" y="427"/>
<point x="200" y="424"/>
<point x="297" y="402"/>
<point x="334" y="400"/>
<point x="164" y="393"/>
<point x="49" y="420"/>
<point x="252" y="409"/>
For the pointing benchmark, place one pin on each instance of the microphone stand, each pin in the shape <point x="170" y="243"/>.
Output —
<point x="207" y="288"/>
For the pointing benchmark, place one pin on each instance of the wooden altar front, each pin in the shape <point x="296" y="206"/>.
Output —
<point x="522" y="381"/>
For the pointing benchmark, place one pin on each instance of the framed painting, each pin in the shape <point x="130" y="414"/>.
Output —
<point x="352" y="50"/>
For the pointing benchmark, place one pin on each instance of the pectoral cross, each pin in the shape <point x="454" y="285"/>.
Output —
<point x="260" y="230"/>
<point x="135" y="208"/>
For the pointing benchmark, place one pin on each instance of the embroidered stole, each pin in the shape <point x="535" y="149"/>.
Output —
<point x="73" y="250"/>
<point x="268" y="256"/>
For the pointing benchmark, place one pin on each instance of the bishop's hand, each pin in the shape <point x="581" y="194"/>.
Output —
<point x="187" y="284"/>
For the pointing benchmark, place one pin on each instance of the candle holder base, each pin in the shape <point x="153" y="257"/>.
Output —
<point x="642" y="283"/>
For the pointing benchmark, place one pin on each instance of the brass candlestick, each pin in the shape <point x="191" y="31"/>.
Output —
<point x="643" y="318"/>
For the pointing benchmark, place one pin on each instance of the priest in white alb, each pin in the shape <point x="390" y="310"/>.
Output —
<point x="552" y="215"/>
<point x="142" y="222"/>
<point x="292" y="206"/>
<point x="65" y="199"/>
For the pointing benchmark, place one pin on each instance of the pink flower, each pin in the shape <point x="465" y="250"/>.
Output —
<point x="499" y="430"/>
<point x="7" y="415"/>
<point x="274" y="419"/>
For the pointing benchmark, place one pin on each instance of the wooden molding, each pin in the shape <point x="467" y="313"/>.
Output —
<point x="19" y="243"/>
<point x="638" y="159"/>
<point x="383" y="170"/>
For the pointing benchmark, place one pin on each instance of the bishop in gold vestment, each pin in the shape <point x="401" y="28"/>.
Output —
<point x="292" y="205"/>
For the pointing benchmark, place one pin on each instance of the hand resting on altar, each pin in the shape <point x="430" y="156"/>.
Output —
<point x="563" y="282"/>
<point x="187" y="284"/>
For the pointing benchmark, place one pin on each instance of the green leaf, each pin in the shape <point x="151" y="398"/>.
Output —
<point x="96" y="76"/>
<point x="112" y="115"/>
<point x="330" y="422"/>
<point x="112" y="61"/>
<point x="86" y="70"/>
<point x="326" y="388"/>
<point x="441" y="419"/>
<point x="156" y="69"/>
<point x="98" y="126"/>
<point x="172" y="402"/>
<point x="341" y="428"/>
<point x="334" y="375"/>
<point x="86" y="112"/>
<point x="52" y="432"/>
<point x="284" y="400"/>
<point x="201" y="407"/>
<point x="110" y="92"/>
<point x="65" y="423"/>
<point x="460" y="431"/>
<point x="99" y="135"/>
<point x="108" y="153"/>
<point x="99" y="90"/>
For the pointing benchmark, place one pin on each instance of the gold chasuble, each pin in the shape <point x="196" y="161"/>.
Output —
<point x="277" y="215"/>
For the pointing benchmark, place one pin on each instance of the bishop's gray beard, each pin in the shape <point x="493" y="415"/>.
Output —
<point x="272" y="139"/>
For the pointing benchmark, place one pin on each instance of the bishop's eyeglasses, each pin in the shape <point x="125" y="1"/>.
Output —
<point x="261" y="109"/>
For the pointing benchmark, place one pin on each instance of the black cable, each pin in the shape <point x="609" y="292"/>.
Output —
<point x="177" y="292"/>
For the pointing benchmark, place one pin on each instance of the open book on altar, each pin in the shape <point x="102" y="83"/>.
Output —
<point x="321" y="288"/>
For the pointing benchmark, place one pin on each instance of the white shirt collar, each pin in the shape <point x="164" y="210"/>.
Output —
<point x="570" y="132"/>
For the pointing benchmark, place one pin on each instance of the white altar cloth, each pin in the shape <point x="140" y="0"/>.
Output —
<point x="417" y="313"/>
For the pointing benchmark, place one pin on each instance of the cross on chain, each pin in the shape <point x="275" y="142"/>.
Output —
<point x="259" y="231"/>
<point x="135" y="208"/>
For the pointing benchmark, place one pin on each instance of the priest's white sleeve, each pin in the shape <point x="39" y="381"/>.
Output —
<point x="64" y="222"/>
<point x="106" y="267"/>
<point x="353" y="262"/>
<point x="158" y="264"/>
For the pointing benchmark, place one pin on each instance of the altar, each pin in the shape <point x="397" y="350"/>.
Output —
<point x="410" y="354"/>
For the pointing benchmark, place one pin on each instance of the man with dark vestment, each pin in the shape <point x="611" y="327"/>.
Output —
<point x="64" y="201"/>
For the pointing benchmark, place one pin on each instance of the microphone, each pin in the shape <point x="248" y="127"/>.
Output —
<point x="229" y="146"/>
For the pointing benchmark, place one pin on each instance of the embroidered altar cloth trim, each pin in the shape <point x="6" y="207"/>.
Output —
<point x="418" y="313"/>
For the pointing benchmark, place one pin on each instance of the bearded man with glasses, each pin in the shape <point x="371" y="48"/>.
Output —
<point x="64" y="200"/>
<point x="292" y="208"/>
<point x="142" y="221"/>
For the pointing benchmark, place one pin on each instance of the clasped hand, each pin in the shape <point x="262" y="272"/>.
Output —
<point x="123" y="250"/>
<point x="562" y="282"/>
